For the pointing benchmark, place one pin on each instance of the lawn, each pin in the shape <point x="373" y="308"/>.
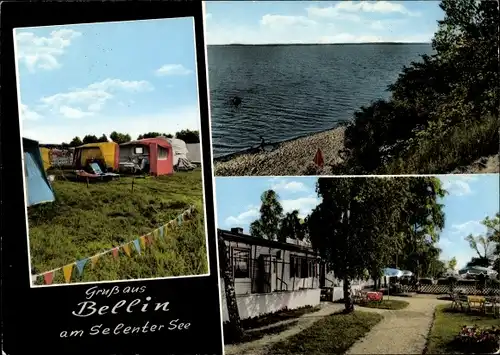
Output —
<point x="334" y="334"/>
<point x="86" y="220"/>
<point x="386" y="304"/>
<point x="447" y="325"/>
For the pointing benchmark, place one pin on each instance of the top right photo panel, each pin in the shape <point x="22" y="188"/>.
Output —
<point x="353" y="87"/>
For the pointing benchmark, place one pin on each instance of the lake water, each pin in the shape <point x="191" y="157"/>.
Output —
<point x="292" y="91"/>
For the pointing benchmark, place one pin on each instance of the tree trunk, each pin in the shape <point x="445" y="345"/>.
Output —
<point x="349" y="305"/>
<point x="234" y="329"/>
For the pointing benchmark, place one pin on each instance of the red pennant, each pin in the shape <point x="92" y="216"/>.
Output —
<point x="318" y="158"/>
<point x="115" y="252"/>
<point x="149" y="239"/>
<point x="48" y="278"/>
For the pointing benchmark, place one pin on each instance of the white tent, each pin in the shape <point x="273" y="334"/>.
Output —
<point x="181" y="160"/>
<point x="194" y="152"/>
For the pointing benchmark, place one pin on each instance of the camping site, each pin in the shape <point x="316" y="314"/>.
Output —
<point x="111" y="212"/>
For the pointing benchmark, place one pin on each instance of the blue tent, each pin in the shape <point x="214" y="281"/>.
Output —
<point x="37" y="186"/>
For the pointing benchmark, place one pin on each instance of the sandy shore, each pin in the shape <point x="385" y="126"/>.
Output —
<point x="289" y="158"/>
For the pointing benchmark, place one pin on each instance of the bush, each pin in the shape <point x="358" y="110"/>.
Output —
<point x="425" y="281"/>
<point x="477" y="340"/>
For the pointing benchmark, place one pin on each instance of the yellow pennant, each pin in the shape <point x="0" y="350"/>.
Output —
<point x="143" y="242"/>
<point x="68" y="270"/>
<point x="93" y="260"/>
<point x="126" y="249"/>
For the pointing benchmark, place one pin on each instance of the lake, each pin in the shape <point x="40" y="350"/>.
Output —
<point x="289" y="91"/>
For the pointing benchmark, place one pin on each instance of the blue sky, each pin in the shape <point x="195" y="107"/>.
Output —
<point x="258" y="22"/>
<point x="132" y="77"/>
<point x="470" y="198"/>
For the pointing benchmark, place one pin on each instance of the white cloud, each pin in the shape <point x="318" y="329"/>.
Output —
<point x="469" y="227"/>
<point x="164" y="121"/>
<point x="243" y="218"/>
<point x="43" y="52"/>
<point x="383" y="7"/>
<point x="457" y="185"/>
<point x="280" y="21"/>
<point x="303" y="204"/>
<point x="83" y="102"/>
<point x="28" y="114"/>
<point x="173" y="69"/>
<point x="285" y="185"/>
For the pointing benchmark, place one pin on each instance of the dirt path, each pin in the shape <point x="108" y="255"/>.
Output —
<point x="400" y="332"/>
<point x="259" y="347"/>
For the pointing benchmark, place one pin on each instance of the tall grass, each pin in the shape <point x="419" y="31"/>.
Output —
<point x="84" y="221"/>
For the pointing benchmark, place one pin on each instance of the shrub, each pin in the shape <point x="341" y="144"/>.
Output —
<point x="425" y="281"/>
<point x="477" y="340"/>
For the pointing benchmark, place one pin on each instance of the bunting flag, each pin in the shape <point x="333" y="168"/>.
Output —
<point x="140" y="244"/>
<point x="80" y="265"/>
<point x="126" y="249"/>
<point x="67" y="270"/>
<point x="137" y="245"/>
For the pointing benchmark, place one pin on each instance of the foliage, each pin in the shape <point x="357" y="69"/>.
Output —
<point x="188" y="136"/>
<point x="84" y="221"/>
<point x="443" y="109"/>
<point x="478" y="340"/>
<point x="153" y="135"/>
<point x="487" y="245"/>
<point x="452" y="263"/>
<point x="271" y="214"/>
<point x="386" y="304"/>
<point x="75" y="142"/>
<point x="120" y="138"/>
<point x="291" y="226"/>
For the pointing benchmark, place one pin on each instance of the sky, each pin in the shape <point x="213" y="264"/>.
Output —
<point x="133" y="77"/>
<point x="469" y="200"/>
<point x="263" y="22"/>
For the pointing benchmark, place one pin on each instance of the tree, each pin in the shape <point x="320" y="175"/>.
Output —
<point x="103" y="139"/>
<point x="153" y="135"/>
<point x="356" y="215"/>
<point x="188" y="136"/>
<point x="90" y="139"/>
<point x="487" y="245"/>
<point x="452" y="264"/>
<point x="271" y="213"/>
<point x="76" y="142"/>
<point x="234" y="330"/>
<point x="120" y="138"/>
<point x="291" y="227"/>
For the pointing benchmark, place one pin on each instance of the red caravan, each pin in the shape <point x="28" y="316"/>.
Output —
<point x="156" y="152"/>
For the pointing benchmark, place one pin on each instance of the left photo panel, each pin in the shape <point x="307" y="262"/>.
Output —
<point x="111" y="151"/>
<point x="107" y="180"/>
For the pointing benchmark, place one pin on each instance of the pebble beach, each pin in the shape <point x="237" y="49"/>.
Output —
<point x="290" y="158"/>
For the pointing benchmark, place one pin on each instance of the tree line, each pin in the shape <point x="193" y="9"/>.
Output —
<point x="186" y="135"/>
<point x="442" y="114"/>
<point x="363" y="225"/>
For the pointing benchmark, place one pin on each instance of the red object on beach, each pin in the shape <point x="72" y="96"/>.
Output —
<point x="318" y="158"/>
<point x="374" y="296"/>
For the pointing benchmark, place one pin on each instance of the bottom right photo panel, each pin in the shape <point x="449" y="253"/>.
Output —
<point x="360" y="265"/>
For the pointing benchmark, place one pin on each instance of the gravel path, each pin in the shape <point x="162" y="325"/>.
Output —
<point x="400" y="332"/>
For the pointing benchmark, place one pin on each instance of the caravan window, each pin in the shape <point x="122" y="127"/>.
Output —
<point x="301" y="267"/>
<point x="162" y="153"/>
<point x="138" y="150"/>
<point x="241" y="263"/>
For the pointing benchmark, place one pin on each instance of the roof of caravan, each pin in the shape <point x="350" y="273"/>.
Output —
<point x="147" y="141"/>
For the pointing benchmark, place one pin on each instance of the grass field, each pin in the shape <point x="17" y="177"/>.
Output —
<point x="447" y="325"/>
<point x="334" y="334"/>
<point x="85" y="221"/>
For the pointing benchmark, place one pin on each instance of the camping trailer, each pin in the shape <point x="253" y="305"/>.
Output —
<point x="152" y="155"/>
<point x="181" y="158"/>
<point x="37" y="186"/>
<point x="194" y="153"/>
<point x="106" y="153"/>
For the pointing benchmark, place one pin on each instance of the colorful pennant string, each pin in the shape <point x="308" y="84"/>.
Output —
<point x="139" y="244"/>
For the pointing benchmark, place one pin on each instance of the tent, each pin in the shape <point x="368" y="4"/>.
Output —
<point x="45" y="154"/>
<point x="153" y="154"/>
<point x="37" y="186"/>
<point x="194" y="152"/>
<point x="181" y="160"/>
<point x="107" y="153"/>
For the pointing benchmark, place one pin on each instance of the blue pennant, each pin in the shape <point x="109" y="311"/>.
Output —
<point x="80" y="265"/>
<point x="179" y="220"/>
<point x="161" y="231"/>
<point x="137" y="245"/>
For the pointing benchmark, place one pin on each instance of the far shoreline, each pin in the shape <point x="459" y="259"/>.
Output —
<point x="314" y="44"/>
